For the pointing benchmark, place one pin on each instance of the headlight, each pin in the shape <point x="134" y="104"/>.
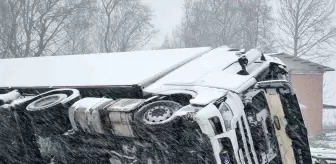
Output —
<point x="227" y="115"/>
<point x="225" y="157"/>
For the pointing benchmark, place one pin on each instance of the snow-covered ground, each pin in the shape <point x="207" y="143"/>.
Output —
<point x="328" y="139"/>
<point x="327" y="154"/>
<point x="329" y="120"/>
<point x="324" y="147"/>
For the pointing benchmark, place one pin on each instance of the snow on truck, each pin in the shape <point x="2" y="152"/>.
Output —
<point x="192" y="106"/>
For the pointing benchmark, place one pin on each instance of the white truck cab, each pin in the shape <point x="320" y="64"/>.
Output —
<point x="195" y="105"/>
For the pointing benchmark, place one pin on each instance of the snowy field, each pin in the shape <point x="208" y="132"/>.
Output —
<point x="328" y="139"/>
<point x="329" y="120"/>
<point x="325" y="145"/>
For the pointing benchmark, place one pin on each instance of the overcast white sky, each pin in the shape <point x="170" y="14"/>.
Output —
<point x="168" y="14"/>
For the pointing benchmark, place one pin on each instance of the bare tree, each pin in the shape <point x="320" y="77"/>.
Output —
<point x="55" y="27"/>
<point x="257" y="25"/>
<point x="328" y="89"/>
<point x="167" y="44"/>
<point x="50" y="24"/>
<point x="32" y="27"/>
<point x="80" y="28"/>
<point x="306" y="27"/>
<point x="125" y="25"/>
<point x="9" y="27"/>
<point x="235" y="23"/>
<point x="173" y="41"/>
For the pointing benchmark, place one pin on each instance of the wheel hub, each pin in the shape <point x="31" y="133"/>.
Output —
<point x="158" y="114"/>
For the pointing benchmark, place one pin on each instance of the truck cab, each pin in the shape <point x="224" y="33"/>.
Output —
<point x="194" y="105"/>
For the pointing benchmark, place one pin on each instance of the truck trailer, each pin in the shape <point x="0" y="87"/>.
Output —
<point x="193" y="105"/>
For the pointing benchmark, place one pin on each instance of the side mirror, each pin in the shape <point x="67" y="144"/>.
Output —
<point x="243" y="61"/>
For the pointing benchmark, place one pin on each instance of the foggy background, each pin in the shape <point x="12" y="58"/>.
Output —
<point x="168" y="15"/>
<point x="58" y="27"/>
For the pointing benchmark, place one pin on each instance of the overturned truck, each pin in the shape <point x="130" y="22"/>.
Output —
<point x="194" y="105"/>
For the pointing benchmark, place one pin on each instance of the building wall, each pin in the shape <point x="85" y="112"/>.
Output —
<point x="309" y="89"/>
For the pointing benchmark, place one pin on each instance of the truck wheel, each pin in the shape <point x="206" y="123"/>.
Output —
<point x="46" y="102"/>
<point x="49" y="111"/>
<point x="157" y="113"/>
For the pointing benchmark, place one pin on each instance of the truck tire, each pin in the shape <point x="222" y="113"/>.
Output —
<point x="49" y="111"/>
<point x="157" y="114"/>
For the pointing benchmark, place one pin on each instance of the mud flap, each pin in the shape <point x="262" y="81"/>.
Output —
<point x="280" y="124"/>
<point x="281" y="95"/>
<point x="297" y="130"/>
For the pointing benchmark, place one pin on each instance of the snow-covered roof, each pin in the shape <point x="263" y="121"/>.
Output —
<point x="105" y="69"/>
<point x="299" y="65"/>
